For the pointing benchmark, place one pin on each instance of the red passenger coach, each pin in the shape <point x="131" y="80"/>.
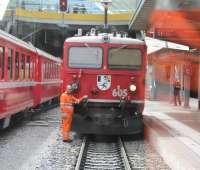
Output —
<point x="111" y="71"/>
<point x="28" y="77"/>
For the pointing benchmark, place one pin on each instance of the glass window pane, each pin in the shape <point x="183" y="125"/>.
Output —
<point x="85" y="57"/>
<point x="28" y="67"/>
<point x="33" y="68"/>
<point x="10" y="63"/>
<point x="45" y="70"/>
<point x="2" y="62"/>
<point x="23" y="67"/>
<point x="16" y="65"/>
<point x="124" y="58"/>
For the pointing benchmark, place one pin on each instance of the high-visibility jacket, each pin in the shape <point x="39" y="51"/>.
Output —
<point x="67" y="101"/>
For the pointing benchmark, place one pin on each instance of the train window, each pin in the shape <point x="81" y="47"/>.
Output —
<point x="85" y="57"/>
<point x="33" y="68"/>
<point x="23" y="67"/>
<point x="47" y="70"/>
<point x="1" y="63"/>
<point x="56" y="71"/>
<point x="16" y="65"/>
<point x="10" y="63"/>
<point x="28" y="66"/>
<point x="52" y="70"/>
<point x="45" y="75"/>
<point x="43" y="70"/>
<point x="51" y="73"/>
<point x="127" y="58"/>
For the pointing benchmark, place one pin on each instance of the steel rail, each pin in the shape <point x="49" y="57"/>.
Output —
<point x="124" y="156"/>
<point x="78" y="163"/>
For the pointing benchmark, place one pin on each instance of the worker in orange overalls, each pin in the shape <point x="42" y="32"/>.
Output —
<point x="67" y="101"/>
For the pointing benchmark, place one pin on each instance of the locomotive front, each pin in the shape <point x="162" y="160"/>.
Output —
<point x="111" y="71"/>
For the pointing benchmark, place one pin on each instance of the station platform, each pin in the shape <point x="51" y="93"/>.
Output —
<point x="174" y="131"/>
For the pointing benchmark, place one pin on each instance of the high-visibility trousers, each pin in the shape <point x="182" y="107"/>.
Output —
<point x="66" y="123"/>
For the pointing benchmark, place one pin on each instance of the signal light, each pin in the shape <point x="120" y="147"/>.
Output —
<point x="63" y="5"/>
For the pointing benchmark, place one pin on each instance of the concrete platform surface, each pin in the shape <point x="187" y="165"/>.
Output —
<point x="175" y="133"/>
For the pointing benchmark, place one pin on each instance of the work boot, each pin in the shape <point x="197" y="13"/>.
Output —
<point x="69" y="140"/>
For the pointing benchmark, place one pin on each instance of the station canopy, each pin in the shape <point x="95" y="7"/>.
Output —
<point x="90" y="6"/>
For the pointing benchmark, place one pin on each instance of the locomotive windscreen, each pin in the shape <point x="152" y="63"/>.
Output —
<point x="127" y="58"/>
<point x="85" y="57"/>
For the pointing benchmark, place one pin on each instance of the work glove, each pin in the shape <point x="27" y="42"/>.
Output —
<point x="85" y="99"/>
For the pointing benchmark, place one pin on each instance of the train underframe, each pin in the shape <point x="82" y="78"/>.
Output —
<point x="108" y="118"/>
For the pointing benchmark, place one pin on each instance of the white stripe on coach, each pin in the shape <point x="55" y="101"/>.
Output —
<point x="6" y="85"/>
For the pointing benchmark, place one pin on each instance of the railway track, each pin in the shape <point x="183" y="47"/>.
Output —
<point x="102" y="155"/>
<point x="35" y="118"/>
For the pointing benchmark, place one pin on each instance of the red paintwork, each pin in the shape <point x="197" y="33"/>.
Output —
<point x="20" y="98"/>
<point x="122" y="78"/>
<point x="164" y="62"/>
<point x="180" y="26"/>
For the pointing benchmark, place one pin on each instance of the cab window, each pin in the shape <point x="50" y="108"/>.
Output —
<point x="124" y="58"/>
<point x="85" y="57"/>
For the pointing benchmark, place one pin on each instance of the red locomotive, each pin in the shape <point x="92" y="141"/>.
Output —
<point x="111" y="71"/>
<point x="28" y="77"/>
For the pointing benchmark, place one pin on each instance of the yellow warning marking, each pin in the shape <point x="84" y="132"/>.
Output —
<point x="77" y="17"/>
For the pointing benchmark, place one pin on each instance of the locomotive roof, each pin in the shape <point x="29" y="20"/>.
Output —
<point x="100" y="39"/>
<point x="28" y="46"/>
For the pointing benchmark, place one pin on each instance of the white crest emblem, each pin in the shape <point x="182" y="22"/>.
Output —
<point x="103" y="82"/>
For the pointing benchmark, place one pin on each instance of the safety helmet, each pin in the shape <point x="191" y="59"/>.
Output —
<point x="69" y="88"/>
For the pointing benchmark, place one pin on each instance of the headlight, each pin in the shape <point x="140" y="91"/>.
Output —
<point x="132" y="88"/>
